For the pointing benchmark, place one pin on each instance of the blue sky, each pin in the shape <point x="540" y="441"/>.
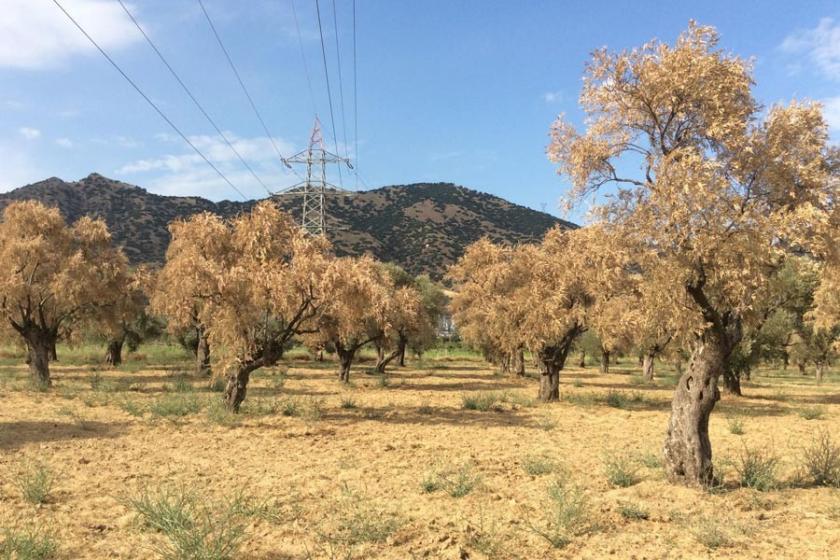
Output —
<point x="458" y="91"/>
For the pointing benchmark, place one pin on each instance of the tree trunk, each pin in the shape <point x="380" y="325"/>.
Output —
<point x="202" y="355"/>
<point x="345" y="360"/>
<point x="401" y="346"/>
<point x="237" y="386"/>
<point x="648" y="362"/>
<point x="748" y="372"/>
<point x="549" y="383"/>
<point x="40" y="345"/>
<point x="519" y="362"/>
<point x="732" y="381"/>
<point x="688" y="450"/>
<point x="53" y="351"/>
<point x="113" y="356"/>
<point x="785" y="360"/>
<point x="801" y="366"/>
<point x="605" y="361"/>
<point x="380" y="354"/>
<point x="678" y="366"/>
<point x="820" y="368"/>
<point x="582" y="361"/>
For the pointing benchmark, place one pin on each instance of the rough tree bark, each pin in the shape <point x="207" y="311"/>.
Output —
<point x="605" y="361"/>
<point x="732" y="380"/>
<point x="519" y="362"/>
<point x="202" y="354"/>
<point x="820" y="369"/>
<point x="551" y="360"/>
<point x="40" y="344"/>
<point x="383" y="360"/>
<point x="801" y="366"/>
<point x="648" y="363"/>
<point x="345" y="360"/>
<point x="113" y="355"/>
<point x="401" y="346"/>
<point x="237" y="385"/>
<point x="582" y="361"/>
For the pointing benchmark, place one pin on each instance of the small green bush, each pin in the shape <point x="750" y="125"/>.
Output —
<point x="651" y="460"/>
<point x="757" y="469"/>
<point x="175" y="405"/>
<point x="621" y="470"/>
<point x="456" y="482"/>
<point x="480" y="401"/>
<point x="820" y="463"/>
<point x="194" y="528"/>
<point x="811" y="413"/>
<point x="711" y="533"/>
<point x="348" y="403"/>
<point x="35" y="483"/>
<point x="567" y="515"/>
<point x="736" y="426"/>
<point x="218" y="413"/>
<point x="629" y="510"/>
<point x="538" y="466"/>
<point x="30" y="544"/>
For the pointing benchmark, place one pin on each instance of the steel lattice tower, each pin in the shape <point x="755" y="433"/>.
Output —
<point x="314" y="188"/>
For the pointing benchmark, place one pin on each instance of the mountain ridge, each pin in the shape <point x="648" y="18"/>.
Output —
<point x="424" y="227"/>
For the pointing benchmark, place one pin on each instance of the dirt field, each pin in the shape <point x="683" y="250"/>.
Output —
<point x="405" y="469"/>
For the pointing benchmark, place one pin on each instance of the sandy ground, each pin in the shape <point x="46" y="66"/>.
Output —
<point x="319" y="473"/>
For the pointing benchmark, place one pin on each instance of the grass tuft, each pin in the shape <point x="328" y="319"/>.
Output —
<point x="538" y="466"/>
<point x="483" y="401"/>
<point x="820" y="463"/>
<point x="35" y="483"/>
<point x="736" y="426"/>
<point x="629" y="510"/>
<point x="757" y="469"/>
<point x="175" y="405"/>
<point x="621" y="470"/>
<point x="567" y="515"/>
<point x="193" y="527"/>
<point x="811" y="412"/>
<point x="30" y="544"/>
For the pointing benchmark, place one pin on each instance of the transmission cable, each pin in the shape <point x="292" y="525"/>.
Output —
<point x="148" y="100"/>
<point x="355" y="101"/>
<point x="329" y="91"/>
<point x="245" y="89"/>
<point x="303" y="59"/>
<point x="340" y="79"/>
<point x="192" y="97"/>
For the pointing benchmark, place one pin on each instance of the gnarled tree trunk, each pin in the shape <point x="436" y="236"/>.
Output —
<point x="237" y="386"/>
<point x="202" y="354"/>
<point x="648" y="363"/>
<point x="401" y="346"/>
<point x="582" y="361"/>
<point x="605" y="361"/>
<point x="688" y="450"/>
<point x="820" y="369"/>
<point x="40" y="344"/>
<point x="801" y="366"/>
<point x="519" y="362"/>
<point x="732" y="380"/>
<point x="551" y="360"/>
<point x="113" y="355"/>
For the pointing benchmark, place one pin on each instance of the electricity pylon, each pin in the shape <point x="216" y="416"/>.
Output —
<point x="314" y="188"/>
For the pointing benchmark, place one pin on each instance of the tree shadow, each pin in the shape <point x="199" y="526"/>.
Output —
<point x="14" y="435"/>
<point x="434" y="416"/>
<point x="466" y="386"/>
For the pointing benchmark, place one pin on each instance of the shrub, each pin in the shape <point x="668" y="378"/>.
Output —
<point x="31" y="544"/>
<point x="217" y="385"/>
<point x="382" y="380"/>
<point x="131" y="407"/>
<point x="219" y="414"/>
<point x="194" y="528"/>
<point x="710" y="533"/>
<point x="736" y="426"/>
<point x="456" y="482"/>
<point x="621" y="470"/>
<point x="651" y="460"/>
<point x="567" y="515"/>
<point x="757" y="469"/>
<point x="425" y="409"/>
<point x="811" y="413"/>
<point x="629" y="510"/>
<point x="35" y="483"/>
<point x="821" y="461"/>
<point x="175" y="405"/>
<point x="538" y="466"/>
<point x="348" y="403"/>
<point x="480" y="401"/>
<point x="290" y="407"/>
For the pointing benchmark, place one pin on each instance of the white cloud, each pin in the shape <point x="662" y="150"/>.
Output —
<point x="64" y="142"/>
<point x="18" y="168"/>
<point x="820" y="44"/>
<point x="29" y="133"/>
<point x="36" y="34"/>
<point x="553" y="96"/>
<point x="186" y="173"/>
<point x="831" y="112"/>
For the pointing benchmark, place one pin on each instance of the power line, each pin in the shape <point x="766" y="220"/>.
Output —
<point x="329" y="91"/>
<point x="242" y="84"/>
<point x="192" y="97"/>
<point x="355" y="101"/>
<point x="340" y="79"/>
<point x="303" y="58"/>
<point x="146" y="97"/>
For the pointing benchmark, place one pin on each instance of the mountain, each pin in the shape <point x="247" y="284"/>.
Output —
<point x="424" y="227"/>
